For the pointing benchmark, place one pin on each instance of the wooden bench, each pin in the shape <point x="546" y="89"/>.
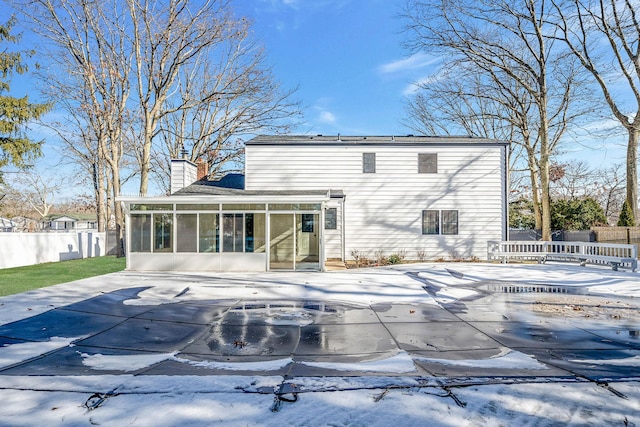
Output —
<point x="504" y="257"/>
<point x="595" y="259"/>
<point x="524" y="250"/>
<point x="614" y="255"/>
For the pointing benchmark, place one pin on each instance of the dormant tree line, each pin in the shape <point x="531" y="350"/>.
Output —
<point x="528" y="71"/>
<point x="141" y="81"/>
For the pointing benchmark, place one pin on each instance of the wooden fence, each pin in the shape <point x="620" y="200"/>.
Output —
<point x="623" y="235"/>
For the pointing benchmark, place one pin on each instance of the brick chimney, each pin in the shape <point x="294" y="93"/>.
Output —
<point x="203" y="169"/>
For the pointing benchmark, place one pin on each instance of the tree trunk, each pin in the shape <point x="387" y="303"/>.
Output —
<point x="145" y="165"/>
<point x="632" y="172"/>
<point x="118" y="213"/>
<point x="109" y="196"/>
<point x="535" y="190"/>
<point x="98" y="186"/>
<point x="546" y="201"/>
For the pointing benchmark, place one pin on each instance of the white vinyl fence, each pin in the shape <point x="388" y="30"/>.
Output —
<point x="18" y="249"/>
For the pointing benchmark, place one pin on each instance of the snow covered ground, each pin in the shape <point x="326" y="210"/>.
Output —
<point x="386" y="395"/>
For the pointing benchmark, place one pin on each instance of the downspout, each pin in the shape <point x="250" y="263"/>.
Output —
<point x="267" y="249"/>
<point x="323" y="207"/>
<point x="343" y="227"/>
<point x="505" y="191"/>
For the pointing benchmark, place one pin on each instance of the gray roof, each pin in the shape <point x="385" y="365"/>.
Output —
<point x="370" y="140"/>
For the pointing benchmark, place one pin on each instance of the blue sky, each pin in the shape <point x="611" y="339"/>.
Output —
<point x="347" y="60"/>
<point x="346" y="57"/>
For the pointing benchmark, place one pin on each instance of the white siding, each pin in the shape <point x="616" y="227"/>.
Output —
<point x="183" y="173"/>
<point x="138" y="261"/>
<point x="333" y="238"/>
<point x="383" y="210"/>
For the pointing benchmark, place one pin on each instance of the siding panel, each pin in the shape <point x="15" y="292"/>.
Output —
<point x="383" y="210"/>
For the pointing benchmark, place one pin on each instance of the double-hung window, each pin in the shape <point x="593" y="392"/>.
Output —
<point x="449" y="221"/>
<point x="440" y="222"/>
<point x="430" y="222"/>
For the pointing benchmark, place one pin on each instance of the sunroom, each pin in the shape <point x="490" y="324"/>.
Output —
<point x="237" y="231"/>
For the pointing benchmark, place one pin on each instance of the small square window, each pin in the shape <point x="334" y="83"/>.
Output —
<point x="427" y="163"/>
<point x="331" y="219"/>
<point x="308" y="220"/>
<point x="369" y="162"/>
<point x="430" y="222"/>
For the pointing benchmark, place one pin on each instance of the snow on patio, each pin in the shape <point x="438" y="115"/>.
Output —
<point x="156" y="400"/>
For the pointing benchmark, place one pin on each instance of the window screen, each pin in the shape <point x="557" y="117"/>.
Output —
<point x="209" y="233"/>
<point x="141" y="233"/>
<point x="187" y="232"/>
<point x="162" y="232"/>
<point x="233" y="232"/>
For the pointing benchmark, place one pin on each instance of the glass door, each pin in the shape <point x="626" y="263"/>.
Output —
<point x="307" y="242"/>
<point x="282" y="241"/>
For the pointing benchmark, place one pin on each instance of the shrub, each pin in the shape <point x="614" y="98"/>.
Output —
<point x="358" y="258"/>
<point x="626" y="216"/>
<point x="380" y="258"/>
<point x="577" y="214"/>
<point x="395" y="259"/>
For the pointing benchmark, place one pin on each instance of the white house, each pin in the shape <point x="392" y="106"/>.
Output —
<point x="7" y="225"/>
<point x="307" y="199"/>
<point x="71" y="222"/>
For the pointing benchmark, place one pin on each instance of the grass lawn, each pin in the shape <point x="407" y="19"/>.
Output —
<point x="21" y="279"/>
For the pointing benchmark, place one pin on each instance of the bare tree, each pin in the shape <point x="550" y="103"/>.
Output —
<point x="34" y="193"/>
<point x="12" y="200"/>
<point x="524" y="71"/>
<point x="612" y="191"/>
<point x="89" y="44"/>
<point x="576" y="180"/>
<point x="211" y="115"/>
<point x="42" y="194"/>
<point x="482" y="105"/>
<point x="177" y="42"/>
<point x="573" y="180"/>
<point x="605" y="37"/>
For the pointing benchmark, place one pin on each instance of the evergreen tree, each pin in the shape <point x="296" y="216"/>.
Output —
<point x="626" y="216"/>
<point x="15" y="147"/>
<point x="576" y="214"/>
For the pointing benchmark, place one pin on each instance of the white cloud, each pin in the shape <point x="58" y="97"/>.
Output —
<point x="414" y="62"/>
<point x="327" y="117"/>
<point x="414" y="86"/>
